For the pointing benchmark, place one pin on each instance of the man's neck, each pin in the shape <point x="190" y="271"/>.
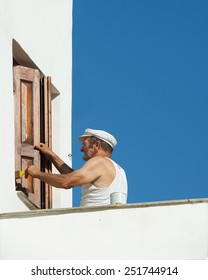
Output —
<point x="102" y="153"/>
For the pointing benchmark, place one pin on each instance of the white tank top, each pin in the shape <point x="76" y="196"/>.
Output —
<point x="93" y="196"/>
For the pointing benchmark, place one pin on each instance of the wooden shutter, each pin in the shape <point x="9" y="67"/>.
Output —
<point x="32" y="103"/>
<point x="27" y="128"/>
<point x="46" y="137"/>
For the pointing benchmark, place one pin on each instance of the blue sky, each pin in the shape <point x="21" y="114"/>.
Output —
<point x="140" y="72"/>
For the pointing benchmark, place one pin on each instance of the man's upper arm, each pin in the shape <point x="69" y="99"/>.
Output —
<point x="89" y="172"/>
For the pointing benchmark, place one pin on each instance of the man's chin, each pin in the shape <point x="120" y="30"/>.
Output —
<point x="85" y="158"/>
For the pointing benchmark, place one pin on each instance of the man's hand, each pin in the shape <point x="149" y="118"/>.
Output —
<point x="32" y="170"/>
<point x="44" y="149"/>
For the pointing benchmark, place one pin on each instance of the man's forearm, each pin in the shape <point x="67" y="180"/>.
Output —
<point x="60" y="165"/>
<point x="55" y="180"/>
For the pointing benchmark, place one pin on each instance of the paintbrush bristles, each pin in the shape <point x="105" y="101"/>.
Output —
<point x="19" y="174"/>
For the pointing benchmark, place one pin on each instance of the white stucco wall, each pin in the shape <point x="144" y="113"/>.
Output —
<point x="43" y="29"/>
<point x="173" y="230"/>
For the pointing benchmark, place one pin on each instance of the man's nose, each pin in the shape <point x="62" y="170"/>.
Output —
<point x="81" y="149"/>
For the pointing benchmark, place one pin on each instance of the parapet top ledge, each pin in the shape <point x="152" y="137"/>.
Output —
<point x="72" y="210"/>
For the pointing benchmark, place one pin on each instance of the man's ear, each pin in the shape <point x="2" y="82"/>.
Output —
<point x="98" y="144"/>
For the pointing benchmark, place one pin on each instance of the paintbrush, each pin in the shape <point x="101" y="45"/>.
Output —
<point x="19" y="174"/>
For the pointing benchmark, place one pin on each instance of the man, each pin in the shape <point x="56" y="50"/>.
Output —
<point x="99" y="176"/>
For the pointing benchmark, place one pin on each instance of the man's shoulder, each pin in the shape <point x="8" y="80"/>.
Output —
<point x="96" y="163"/>
<point x="97" y="159"/>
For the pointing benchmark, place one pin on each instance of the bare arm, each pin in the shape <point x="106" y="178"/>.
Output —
<point x="60" y="165"/>
<point x="87" y="174"/>
<point x="63" y="181"/>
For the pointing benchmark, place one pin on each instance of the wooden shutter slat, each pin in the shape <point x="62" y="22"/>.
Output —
<point x="46" y="132"/>
<point x="48" y="135"/>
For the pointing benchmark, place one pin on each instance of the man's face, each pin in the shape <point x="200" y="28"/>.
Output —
<point x="87" y="149"/>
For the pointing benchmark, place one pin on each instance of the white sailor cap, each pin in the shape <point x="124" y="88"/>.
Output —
<point x="100" y="134"/>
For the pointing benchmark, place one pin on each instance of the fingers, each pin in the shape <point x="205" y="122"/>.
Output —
<point x="31" y="170"/>
<point x="27" y="172"/>
<point x="42" y="148"/>
<point x="39" y="147"/>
